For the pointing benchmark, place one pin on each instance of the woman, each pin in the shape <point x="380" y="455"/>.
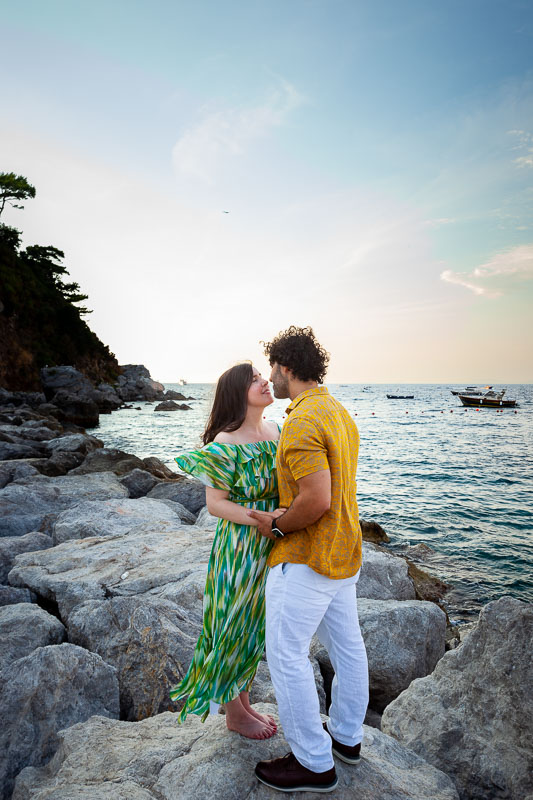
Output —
<point x="237" y="464"/>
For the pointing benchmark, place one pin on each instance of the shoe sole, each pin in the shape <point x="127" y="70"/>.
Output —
<point x="347" y="759"/>
<point x="303" y="788"/>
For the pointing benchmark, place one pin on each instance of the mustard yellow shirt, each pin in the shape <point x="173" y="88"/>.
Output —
<point x="320" y="434"/>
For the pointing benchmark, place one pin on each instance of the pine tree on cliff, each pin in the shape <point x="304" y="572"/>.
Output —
<point x="40" y="319"/>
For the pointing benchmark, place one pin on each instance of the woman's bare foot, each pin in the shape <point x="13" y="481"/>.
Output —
<point x="265" y="718"/>
<point x="250" y="727"/>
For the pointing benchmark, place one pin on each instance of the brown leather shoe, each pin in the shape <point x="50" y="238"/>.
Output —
<point x="286" y="774"/>
<point x="350" y="755"/>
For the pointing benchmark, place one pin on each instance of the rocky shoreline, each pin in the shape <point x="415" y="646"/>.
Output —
<point x="102" y="567"/>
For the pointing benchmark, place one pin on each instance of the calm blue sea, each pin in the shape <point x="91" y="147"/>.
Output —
<point x="459" y="480"/>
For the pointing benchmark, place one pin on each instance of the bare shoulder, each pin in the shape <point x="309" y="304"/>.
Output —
<point x="273" y="429"/>
<point x="225" y="437"/>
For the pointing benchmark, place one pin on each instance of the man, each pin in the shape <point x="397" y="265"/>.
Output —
<point x="315" y="564"/>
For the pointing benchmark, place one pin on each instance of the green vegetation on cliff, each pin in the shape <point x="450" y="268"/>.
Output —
<point x="40" y="321"/>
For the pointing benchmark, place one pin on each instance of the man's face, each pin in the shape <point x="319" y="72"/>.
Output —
<point x="280" y="382"/>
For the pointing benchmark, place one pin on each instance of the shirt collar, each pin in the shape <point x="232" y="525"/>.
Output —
<point x="318" y="390"/>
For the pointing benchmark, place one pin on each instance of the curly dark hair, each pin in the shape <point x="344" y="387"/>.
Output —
<point x="297" y="349"/>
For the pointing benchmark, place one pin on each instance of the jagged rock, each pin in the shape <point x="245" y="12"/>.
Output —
<point x="135" y="383"/>
<point x="11" y="546"/>
<point x="156" y="759"/>
<point x="32" y="399"/>
<point x="112" y="518"/>
<point x="23" y="628"/>
<point x="170" y="405"/>
<point x="170" y="564"/>
<point x="50" y="689"/>
<point x="33" y="503"/>
<point x="54" y="379"/>
<point x="373" y="532"/>
<point x="60" y="463"/>
<point x="108" y="460"/>
<point x="403" y="640"/>
<point x="74" y="443"/>
<point x="29" y="431"/>
<point x="12" y="450"/>
<point x="189" y="493"/>
<point x="206" y="520"/>
<point x="170" y="394"/>
<point x="150" y="641"/>
<point x="13" y="470"/>
<point x="79" y="409"/>
<point x="139" y="482"/>
<point x="10" y="595"/>
<point x="384" y="576"/>
<point x="158" y="469"/>
<point x="472" y="715"/>
<point x="186" y="516"/>
<point x="427" y="586"/>
<point x="106" y="398"/>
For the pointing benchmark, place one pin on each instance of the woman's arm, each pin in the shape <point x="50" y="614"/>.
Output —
<point x="219" y="506"/>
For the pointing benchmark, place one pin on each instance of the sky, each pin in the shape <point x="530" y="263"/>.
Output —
<point x="216" y="172"/>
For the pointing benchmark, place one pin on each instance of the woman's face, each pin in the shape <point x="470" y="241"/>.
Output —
<point x="259" y="392"/>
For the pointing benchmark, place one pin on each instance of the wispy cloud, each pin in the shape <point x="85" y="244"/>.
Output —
<point x="516" y="262"/>
<point x="524" y="144"/>
<point x="222" y="134"/>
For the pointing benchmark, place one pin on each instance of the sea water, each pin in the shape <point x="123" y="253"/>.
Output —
<point x="459" y="480"/>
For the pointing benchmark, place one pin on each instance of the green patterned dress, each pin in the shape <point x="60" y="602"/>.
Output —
<point x="233" y="636"/>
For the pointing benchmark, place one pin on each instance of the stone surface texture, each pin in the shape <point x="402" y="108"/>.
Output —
<point x="23" y="628"/>
<point x="149" y="641"/>
<point x="383" y="576"/>
<point x="12" y="546"/>
<point x="33" y="503"/>
<point x="472" y="715"/>
<point x="190" y="493"/>
<point x="404" y="640"/>
<point x="50" y="689"/>
<point x="110" y="518"/>
<point x="167" y="563"/>
<point x="159" y="760"/>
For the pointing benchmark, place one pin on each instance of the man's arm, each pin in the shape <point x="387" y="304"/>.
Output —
<point x="311" y="503"/>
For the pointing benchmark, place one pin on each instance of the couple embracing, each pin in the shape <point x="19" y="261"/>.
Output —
<point x="284" y="564"/>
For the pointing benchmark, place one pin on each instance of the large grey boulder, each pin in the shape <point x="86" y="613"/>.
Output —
<point x="384" y="576"/>
<point x="135" y="383"/>
<point x="139" y="482"/>
<point x="11" y="595"/>
<point x="190" y="493"/>
<point x="54" y="379"/>
<point x="32" y="503"/>
<point x="111" y="518"/>
<point x="403" y="640"/>
<point x="20" y="449"/>
<point x="23" y="628"/>
<point x="472" y="715"/>
<point x="50" y="689"/>
<point x="206" y="520"/>
<point x="12" y="546"/>
<point x="13" y="470"/>
<point x="77" y="409"/>
<point x="74" y="443"/>
<point x="157" y="759"/>
<point x="150" y="641"/>
<point x="166" y="563"/>
<point x="108" y="460"/>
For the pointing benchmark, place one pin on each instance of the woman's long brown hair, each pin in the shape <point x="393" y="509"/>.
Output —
<point x="231" y="401"/>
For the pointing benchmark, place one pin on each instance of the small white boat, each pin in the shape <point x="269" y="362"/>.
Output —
<point x="473" y="390"/>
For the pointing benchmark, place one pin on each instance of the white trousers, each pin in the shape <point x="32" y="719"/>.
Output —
<point x="300" y="602"/>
